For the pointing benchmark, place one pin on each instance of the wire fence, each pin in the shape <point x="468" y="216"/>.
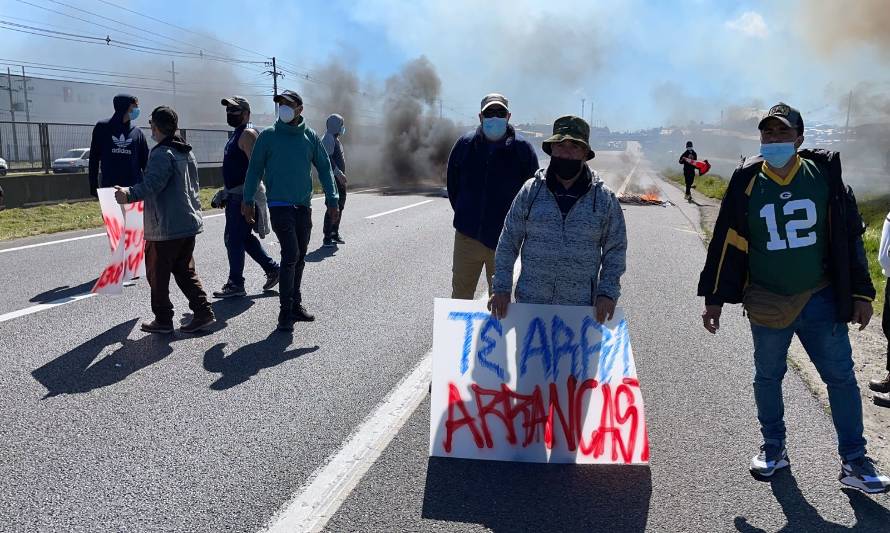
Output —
<point x="35" y="146"/>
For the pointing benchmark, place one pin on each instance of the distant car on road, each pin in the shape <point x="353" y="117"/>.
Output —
<point x="4" y="168"/>
<point x="76" y="160"/>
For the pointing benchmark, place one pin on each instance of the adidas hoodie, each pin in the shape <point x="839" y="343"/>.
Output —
<point x="118" y="148"/>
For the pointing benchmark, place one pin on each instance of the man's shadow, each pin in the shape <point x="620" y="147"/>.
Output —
<point x="63" y="292"/>
<point x="320" y="254"/>
<point x="801" y="516"/>
<point x="247" y="361"/>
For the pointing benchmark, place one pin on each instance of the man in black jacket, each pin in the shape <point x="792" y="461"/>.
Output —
<point x="788" y="245"/>
<point x="118" y="147"/>
<point x="688" y="169"/>
<point x="486" y="169"/>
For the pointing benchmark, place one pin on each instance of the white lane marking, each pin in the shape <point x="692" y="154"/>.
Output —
<point x="399" y="209"/>
<point x="360" y="191"/>
<point x="627" y="180"/>
<point x="43" y="307"/>
<point x="71" y="239"/>
<point x="328" y="487"/>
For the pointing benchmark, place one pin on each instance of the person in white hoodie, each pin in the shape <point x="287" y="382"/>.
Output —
<point x="881" y="387"/>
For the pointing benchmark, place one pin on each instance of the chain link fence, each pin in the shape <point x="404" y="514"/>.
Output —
<point x="33" y="146"/>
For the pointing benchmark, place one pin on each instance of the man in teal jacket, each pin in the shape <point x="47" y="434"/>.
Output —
<point x="282" y="157"/>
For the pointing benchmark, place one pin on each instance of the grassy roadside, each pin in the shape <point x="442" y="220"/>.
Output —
<point x="40" y="220"/>
<point x="873" y="208"/>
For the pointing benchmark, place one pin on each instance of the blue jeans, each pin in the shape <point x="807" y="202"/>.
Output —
<point x="828" y="344"/>
<point x="240" y="240"/>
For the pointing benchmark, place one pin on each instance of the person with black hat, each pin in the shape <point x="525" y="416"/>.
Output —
<point x="118" y="147"/>
<point x="239" y="237"/>
<point x="688" y="157"/>
<point x="486" y="169"/>
<point x="569" y="229"/>
<point x="787" y="244"/>
<point x="282" y="158"/>
<point x="172" y="220"/>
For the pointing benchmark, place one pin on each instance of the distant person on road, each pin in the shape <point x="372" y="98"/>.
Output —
<point x="788" y="245"/>
<point x="881" y="387"/>
<point x="118" y="147"/>
<point x="282" y="158"/>
<point x="172" y="220"/>
<point x="486" y="169"/>
<point x="688" y="168"/>
<point x="569" y="229"/>
<point x="336" y="128"/>
<point x="239" y="237"/>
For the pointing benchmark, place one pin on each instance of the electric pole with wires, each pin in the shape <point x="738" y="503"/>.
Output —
<point x="275" y="73"/>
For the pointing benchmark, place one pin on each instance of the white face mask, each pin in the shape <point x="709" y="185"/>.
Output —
<point x="286" y="113"/>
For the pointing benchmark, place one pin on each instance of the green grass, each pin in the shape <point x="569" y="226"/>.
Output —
<point x="711" y="185"/>
<point x="41" y="220"/>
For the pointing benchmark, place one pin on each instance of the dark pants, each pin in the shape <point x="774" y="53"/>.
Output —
<point x="293" y="227"/>
<point x="239" y="240"/>
<point x="334" y="229"/>
<point x="163" y="258"/>
<point x="886" y="320"/>
<point x="690" y="179"/>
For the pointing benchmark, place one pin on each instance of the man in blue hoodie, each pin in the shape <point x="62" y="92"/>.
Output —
<point x="486" y="168"/>
<point x="118" y="147"/>
<point x="334" y="148"/>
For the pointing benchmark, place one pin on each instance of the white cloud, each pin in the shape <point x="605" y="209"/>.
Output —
<point x="749" y="23"/>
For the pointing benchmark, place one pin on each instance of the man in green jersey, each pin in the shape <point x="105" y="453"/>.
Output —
<point x="788" y="245"/>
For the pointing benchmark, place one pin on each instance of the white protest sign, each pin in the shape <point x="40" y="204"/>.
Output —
<point x="547" y="384"/>
<point x="124" y="227"/>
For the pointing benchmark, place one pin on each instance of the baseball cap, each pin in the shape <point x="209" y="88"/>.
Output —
<point x="494" y="99"/>
<point x="236" y="101"/>
<point x="786" y="114"/>
<point x="288" y="97"/>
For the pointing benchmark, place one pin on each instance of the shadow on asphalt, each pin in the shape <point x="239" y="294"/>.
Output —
<point x="430" y="191"/>
<point x="64" y="291"/>
<point x="504" y="496"/>
<point x="320" y="254"/>
<point x="871" y="516"/>
<point x="247" y="361"/>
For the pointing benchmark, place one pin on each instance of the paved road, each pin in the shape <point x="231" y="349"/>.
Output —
<point x="106" y="429"/>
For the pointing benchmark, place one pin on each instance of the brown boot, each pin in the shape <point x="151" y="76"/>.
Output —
<point x="880" y="385"/>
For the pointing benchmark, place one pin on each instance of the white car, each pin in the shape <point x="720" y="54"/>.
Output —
<point x="4" y="168"/>
<point x="76" y="160"/>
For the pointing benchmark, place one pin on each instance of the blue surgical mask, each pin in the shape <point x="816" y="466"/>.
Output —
<point x="777" y="155"/>
<point x="134" y="113"/>
<point x="494" y="128"/>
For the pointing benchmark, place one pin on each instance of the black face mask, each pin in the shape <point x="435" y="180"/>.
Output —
<point x="566" y="168"/>
<point x="234" y="120"/>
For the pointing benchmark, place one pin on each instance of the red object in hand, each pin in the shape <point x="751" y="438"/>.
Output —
<point x="702" y="166"/>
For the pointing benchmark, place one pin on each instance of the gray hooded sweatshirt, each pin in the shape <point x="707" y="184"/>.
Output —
<point x="564" y="262"/>
<point x="333" y="146"/>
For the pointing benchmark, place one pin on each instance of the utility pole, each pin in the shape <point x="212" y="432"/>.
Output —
<point x="440" y="109"/>
<point x="583" y="101"/>
<point x="15" y="136"/>
<point x="849" y="107"/>
<point x="28" y="116"/>
<point x="173" y="73"/>
<point x="275" y="73"/>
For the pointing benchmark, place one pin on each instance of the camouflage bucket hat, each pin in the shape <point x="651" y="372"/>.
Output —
<point x="570" y="128"/>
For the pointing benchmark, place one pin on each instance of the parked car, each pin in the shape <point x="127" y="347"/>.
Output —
<point x="4" y="168"/>
<point x="76" y="160"/>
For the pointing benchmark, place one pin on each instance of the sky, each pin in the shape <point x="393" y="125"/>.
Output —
<point x="639" y="63"/>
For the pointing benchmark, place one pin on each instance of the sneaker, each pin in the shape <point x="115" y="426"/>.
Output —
<point x="230" y="290"/>
<point x="862" y="474"/>
<point x="271" y="279"/>
<point x="688" y="197"/>
<point x="770" y="459"/>
<point x="338" y="239"/>
<point x="329" y="243"/>
<point x="197" y="324"/>
<point x="156" y="327"/>
<point x="300" y="314"/>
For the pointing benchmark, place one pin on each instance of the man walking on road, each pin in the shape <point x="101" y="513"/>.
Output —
<point x="486" y="169"/>
<point x="239" y="237"/>
<point x="881" y="387"/>
<point x="334" y="148"/>
<point x="688" y="168"/>
<point x="118" y="147"/>
<point x="788" y="245"/>
<point x="568" y="227"/>
<point x="282" y="158"/>
<point x="172" y="219"/>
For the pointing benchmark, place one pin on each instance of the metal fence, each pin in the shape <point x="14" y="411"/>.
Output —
<point x="33" y="146"/>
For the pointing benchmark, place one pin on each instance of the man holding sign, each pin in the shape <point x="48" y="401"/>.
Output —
<point x="172" y="219"/>
<point x="570" y="229"/>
